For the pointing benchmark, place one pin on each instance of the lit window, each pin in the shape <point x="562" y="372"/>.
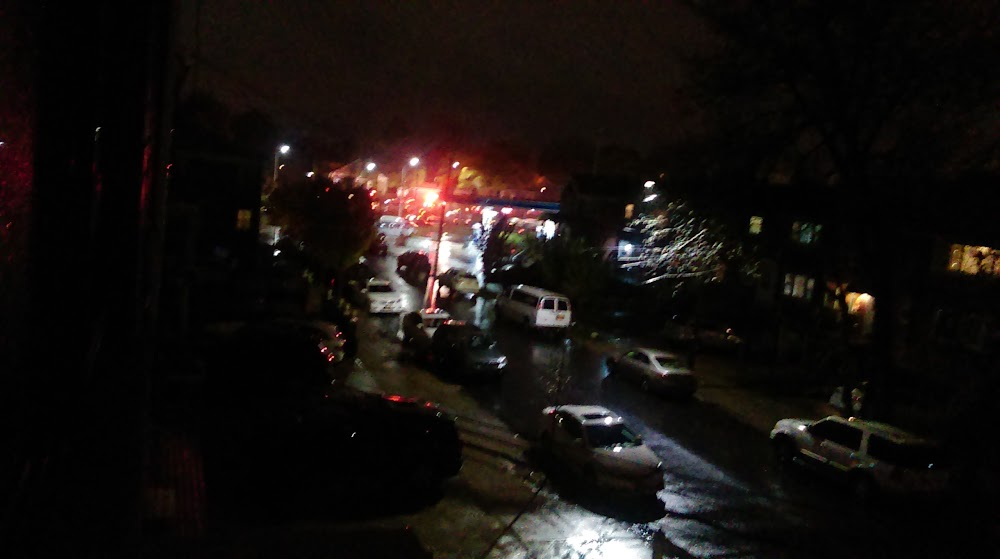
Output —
<point x="243" y="220"/>
<point x="805" y="232"/>
<point x="974" y="260"/>
<point x="756" y="223"/>
<point x="629" y="210"/>
<point x="799" y="286"/>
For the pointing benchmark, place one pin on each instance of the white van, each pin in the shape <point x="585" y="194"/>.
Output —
<point x="395" y="225"/>
<point x="534" y="307"/>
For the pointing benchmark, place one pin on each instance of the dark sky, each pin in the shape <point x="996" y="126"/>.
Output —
<point x="528" y="71"/>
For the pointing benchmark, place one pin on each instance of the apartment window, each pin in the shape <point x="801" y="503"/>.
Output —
<point x="756" y="223"/>
<point x="799" y="286"/>
<point x="805" y="232"/>
<point x="243" y="220"/>
<point x="974" y="260"/>
<point x="629" y="210"/>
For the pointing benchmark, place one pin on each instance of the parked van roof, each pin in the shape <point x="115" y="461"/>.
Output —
<point x="539" y="292"/>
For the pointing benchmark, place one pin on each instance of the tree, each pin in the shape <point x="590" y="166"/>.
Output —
<point x="872" y="100"/>
<point x="333" y="224"/>
<point x="680" y="243"/>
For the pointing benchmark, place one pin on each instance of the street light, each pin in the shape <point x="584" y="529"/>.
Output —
<point x="282" y="150"/>
<point x="370" y="166"/>
<point x="414" y="161"/>
<point x="649" y="184"/>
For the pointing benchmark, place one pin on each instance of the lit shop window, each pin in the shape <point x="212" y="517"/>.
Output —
<point x="756" y="224"/>
<point x="805" y="232"/>
<point x="799" y="286"/>
<point x="974" y="260"/>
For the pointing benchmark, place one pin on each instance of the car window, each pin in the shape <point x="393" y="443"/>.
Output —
<point x="603" y="436"/>
<point x="571" y="426"/>
<point x="668" y="361"/>
<point x="844" y="435"/>
<point x="563" y="305"/>
<point x="379" y="288"/>
<point x="549" y="304"/>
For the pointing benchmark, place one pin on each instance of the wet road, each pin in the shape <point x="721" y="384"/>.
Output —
<point x="723" y="495"/>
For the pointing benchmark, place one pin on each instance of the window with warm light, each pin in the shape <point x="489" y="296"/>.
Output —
<point x="243" y="218"/>
<point x="629" y="211"/>
<point x="756" y="224"/>
<point x="799" y="286"/>
<point x="974" y="260"/>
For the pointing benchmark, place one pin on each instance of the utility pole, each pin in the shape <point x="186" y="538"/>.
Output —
<point x="434" y="289"/>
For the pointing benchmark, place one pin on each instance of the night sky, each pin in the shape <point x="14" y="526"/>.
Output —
<point x="523" y="71"/>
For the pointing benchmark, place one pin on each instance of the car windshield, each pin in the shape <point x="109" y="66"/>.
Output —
<point x="606" y="436"/>
<point x="668" y="361"/>
<point x="380" y="289"/>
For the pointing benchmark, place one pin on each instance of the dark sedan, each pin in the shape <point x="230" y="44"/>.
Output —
<point x="464" y="350"/>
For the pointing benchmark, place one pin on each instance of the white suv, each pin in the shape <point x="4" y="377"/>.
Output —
<point x="872" y="456"/>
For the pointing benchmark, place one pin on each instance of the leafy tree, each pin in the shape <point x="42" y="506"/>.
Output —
<point x="680" y="243"/>
<point x="870" y="99"/>
<point x="333" y="224"/>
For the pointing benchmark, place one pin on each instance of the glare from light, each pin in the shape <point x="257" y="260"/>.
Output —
<point x="627" y="247"/>
<point x="455" y="165"/>
<point x="543" y="189"/>
<point x="284" y="148"/>
<point x="608" y="421"/>
<point x="649" y="184"/>
<point x="506" y="211"/>
<point x="430" y="198"/>
<point x="414" y="161"/>
<point x="370" y="166"/>
<point x="549" y="227"/>
<point x="310" y="174"/>
<point x="277" y="252"/>
<point x="649" y="198"/>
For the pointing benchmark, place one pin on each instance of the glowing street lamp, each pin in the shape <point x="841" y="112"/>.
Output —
<point x="414" y="161"/>
<point x="370" y="166"/>
<point x="282" y="150"/>
<point x="649" y="184"/>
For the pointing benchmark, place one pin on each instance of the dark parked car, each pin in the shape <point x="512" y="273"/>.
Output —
<point x="414" y="266"/>
<point x="464" y="350"/>
<point x="275" y="423"/>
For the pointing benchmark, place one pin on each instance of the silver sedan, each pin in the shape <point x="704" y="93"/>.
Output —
<point x="654" y="370"/>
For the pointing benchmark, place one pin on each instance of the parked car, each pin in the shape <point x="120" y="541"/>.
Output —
<point x="704" y="334"/>
<point x="871" y="457"/>
<point x="395" y="225"/>
<point x="460" y="282"/>
<point x="378" y="246"/>
<point x="382" y="297"/>
<point x="350" y="442"/>
<point x="654" y="370"/>
<point x="416" y="328"/>
<point x="414" y="266"/>
<point x="596" y="445"/>
<point x="465" y="350"/>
